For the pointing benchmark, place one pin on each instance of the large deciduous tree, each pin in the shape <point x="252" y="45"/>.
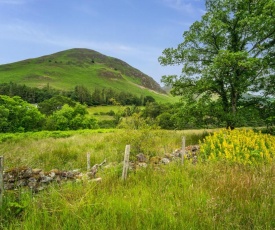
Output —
<point x="226" y="55"/>
<point x="17" y="115"/>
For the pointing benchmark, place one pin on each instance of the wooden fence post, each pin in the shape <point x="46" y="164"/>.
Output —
<point x="1" y="180"/>
<point x="126" y="162"/>
<point x="88" y="162"/>
<point x="183" y="150"/>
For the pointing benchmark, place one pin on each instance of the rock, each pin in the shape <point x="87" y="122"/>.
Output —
<point x="32" y="184"/>
<point x="9" y="186"/>
<point x="55" y="171"/>
<point x="165" y="161"/>
<point x="27" y="173"/>
<point x="6" y="177"/>
<point x="177" y="153"/>
<point x="169" y="156"/>
<point x="155" y="160"/>
<point x="11" y="180"/>
<point x="142" y="164"/>
<point x="79" y="176"/>
<point x="93" y="171"/>
<point x="141" y="157"/>
<point x="51" y="174"/>
<point x="195" y="148"/>
<point x="70" y="175"/>
<point x="46" y="179"/>
<point x="36" y="171"/>
<point x="32" y="179"/>
<point x="22" y="183"/>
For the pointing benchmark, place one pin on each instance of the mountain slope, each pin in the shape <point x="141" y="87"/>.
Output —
<point x="66" y="69"/>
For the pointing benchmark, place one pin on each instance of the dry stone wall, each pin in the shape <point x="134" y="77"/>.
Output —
<point x="36" y="179"/>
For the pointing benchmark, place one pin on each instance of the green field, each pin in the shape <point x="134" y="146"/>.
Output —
<point x="213" y="195"/>
<point x="99" y="112"/>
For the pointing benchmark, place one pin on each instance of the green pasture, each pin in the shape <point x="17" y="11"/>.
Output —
<point x="213" y="195"/>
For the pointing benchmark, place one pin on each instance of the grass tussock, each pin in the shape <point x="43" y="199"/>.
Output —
<point x="210" y="195"/>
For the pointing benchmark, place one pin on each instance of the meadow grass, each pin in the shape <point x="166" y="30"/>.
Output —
<point x="67" y="149"/>
<point x="211" y="195"/>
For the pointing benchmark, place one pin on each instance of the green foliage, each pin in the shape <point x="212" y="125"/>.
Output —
<point x="70" y="118"/>
<point x="29" y="94"/>
<point x="103" y="96"/>
<point x="13" y="207"/>
<point x="165" y="121"/>
<point x="136" y="122"/>
<point x="18" y="115"/>
<point x="82" y="95"/>
<point x="225" y="55"/>
<point x="53" y="104"/>
<point x="148" y="99"/>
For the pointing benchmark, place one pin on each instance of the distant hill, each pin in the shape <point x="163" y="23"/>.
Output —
<point x="66" y="69"/>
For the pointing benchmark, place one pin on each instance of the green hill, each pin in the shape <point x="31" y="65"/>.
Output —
<point x="66" y="69"/>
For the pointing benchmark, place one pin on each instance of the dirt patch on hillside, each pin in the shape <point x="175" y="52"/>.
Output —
<point x="109" y="74"/>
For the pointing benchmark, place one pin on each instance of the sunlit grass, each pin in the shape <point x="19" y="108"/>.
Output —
<point x="68" y="149"/>
<point x="212" y="195"/>
<point x="171" y="197"/>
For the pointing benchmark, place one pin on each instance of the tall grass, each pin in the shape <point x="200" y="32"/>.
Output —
<point x="67" y="150"/>
<point x="203" y="196"/>
<point x="170" y="197"/>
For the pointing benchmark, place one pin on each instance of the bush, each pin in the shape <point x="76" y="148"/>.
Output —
<point x="71" y="118"/>
<point x="239" y="146"/>
<point x="17" y="115"/>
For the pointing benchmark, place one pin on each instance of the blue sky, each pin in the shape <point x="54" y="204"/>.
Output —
<point x="135" y="31"/>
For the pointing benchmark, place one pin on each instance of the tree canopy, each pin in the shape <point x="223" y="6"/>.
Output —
<point x="226" y="55"/>
<point x="17" y="115"/>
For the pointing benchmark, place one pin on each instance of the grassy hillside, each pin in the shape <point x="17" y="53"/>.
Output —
<point x="64" y="70"/>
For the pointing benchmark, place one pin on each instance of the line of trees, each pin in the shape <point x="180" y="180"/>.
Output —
<point x="181" y="116"/>
<point x="105" y="96"/>
<point x="62" y="113"/>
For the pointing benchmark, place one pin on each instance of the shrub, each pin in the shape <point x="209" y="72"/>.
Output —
<point x="239" y="146"/>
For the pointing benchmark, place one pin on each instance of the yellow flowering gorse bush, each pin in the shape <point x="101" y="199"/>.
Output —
<point x="241" y="146"/>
